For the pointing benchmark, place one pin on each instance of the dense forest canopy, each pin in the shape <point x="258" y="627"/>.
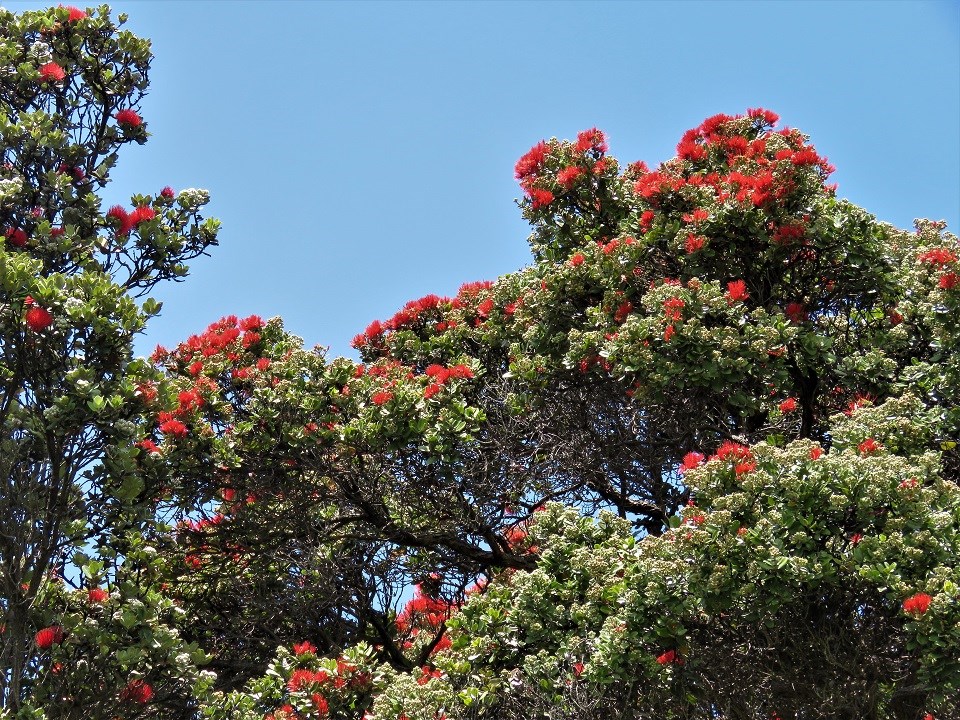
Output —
<point x="697" y="460"/>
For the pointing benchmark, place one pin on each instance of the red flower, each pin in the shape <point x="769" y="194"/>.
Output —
<point x="948" y="281"/>
<point x="816" y="453"/>
<point x="16" y="237"/>
<point x="530" y="163"/>
<point x="672" y="307"/>
<point x="788" y="405"/>
<point x="668" y="333"/>
<point x="937" y="256"/>
<point x="97" y="595"/>
<point x="768" y="116"/>
<point x="142" y="214"/>
<point x="736" y="291"/>
<point x="795" y="312"/>
<point x="129" y="117"/>
<point x="149" y="445"/>
<point x="869" y="446"/>
<point x="38" y="318"/>
<point x="856" y="538"/>
<point x="170" y="426"/>
<point x="670" y="656"/>
<point x="381" y="398"/>
<point x="568" y="175"/>
<point x="167" y="192"/>
<point x="577" y="260"/>
<point x="694" y="243"/>
<point x="137" y="691"/>
<point x="690" y="461"/>
<point x="591" y="139"/>
<point x="48" y="637"/>
<point x="540" y="197"/>
<point x="51" y="72"/>
<point x="124" y="218"/>
<point x="254" y="322"/>
<point x="305" y="647"/>
<point x="917" y="604"/>
<point x="646" y="220"/>
<point x="74" y="14"/>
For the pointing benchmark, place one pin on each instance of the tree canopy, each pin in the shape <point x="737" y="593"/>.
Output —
<point x="697" y="460"/>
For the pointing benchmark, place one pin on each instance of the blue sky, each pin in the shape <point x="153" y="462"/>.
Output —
<point x="361" y="154"/>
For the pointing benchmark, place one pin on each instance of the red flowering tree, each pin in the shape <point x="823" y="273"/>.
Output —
<point x="719" y="309"/>
<point x="82" y="630"/>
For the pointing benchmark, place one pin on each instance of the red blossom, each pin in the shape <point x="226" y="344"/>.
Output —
<point x="576" y="260"/>
<point x="948" y="281"/>
<point x="167" y="192"/>
<point x="38" y="318"/>
<point x="670" y="656"/>
<point x="540" y="197"/>
<point x="869" y="446"/>
<point x="788" y="405"/>
<point x="51" y="72"/>
<point x="937" y="256"/>
<point x="591" y="139"/>
<point x="128" y="117"/>
<point x="142" y="214"/>
<point x="795" y="312"/>
<point x="48" y="637"/>
<point x="137" y="691"/>
<point x="97" y="595"/>
<point x="736" y="291"/>
<point x="646" y="220"/>
<point x="74" y="13"/>
<point x="568" y="175"/>
<point x="767" y="116"/>
<point x="668" y="332"/>
<point x="694" y="243"/>
<point x="917" y="604"/>
<point x="672" y="307"/>
<point x="530" y="163"/>
<point x="168" y="425"/>
<point x="16" y="237"/>
<point x="816" y="453"/>
<point x="381" y="398"/>
<point x="123" y="217"/>
<point x="691" y="460"/>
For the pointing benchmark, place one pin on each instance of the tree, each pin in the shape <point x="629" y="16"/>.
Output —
<point x="725" y="305"/>
<point x="81" y="625"/>
<point x="698" y="460"/>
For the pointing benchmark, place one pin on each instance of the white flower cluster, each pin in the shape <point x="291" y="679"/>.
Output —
<point x="193" y="198"/>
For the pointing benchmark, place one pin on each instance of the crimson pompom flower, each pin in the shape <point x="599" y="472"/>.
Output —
<point x="305" y="647"/>
<point x="768" y="116"/>
<point x="592" y="139"/>
<point x="381" y="398"/>
<point x="431" y="390"/>
<point x="568" y="175"/>
<point x="38" y="318"/>
<point x="737" y="291"/>
<point x="169" y="425"/>
<point x="74" y="13"/>
<point x="937" y="256"/>
<point x="51" y="72"/>
<point x="788" y="405"/>
<point x="540" y="197"/>
<point x="137" y="691"/>
<point x="97" y="595"/>
<point x="816" y="453"/>
<point x="16" y="237"/>
<point x="670" y="656"/>
<point x="694" y="243"/>
<point x="795" y="312"/>
<point x="531" y="161"/>
<point x="126" y="220"/>
<point x="167" y="192"/>
<point x="917" y="604"/>
<point x="48" y="637"/>
<point x="690" y="461"/>
<point x="869" y="446"/>
<point x="142" y="214"/>
<point x="577" y="260"/>
<point x="948" y="281"/>
<point x="129" y="117"/>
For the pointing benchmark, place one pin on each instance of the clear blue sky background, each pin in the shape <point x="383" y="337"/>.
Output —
<point x="361" y="154"/>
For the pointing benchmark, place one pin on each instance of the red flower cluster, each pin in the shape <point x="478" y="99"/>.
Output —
<point x="739" y="455"/>
<point x="736" y="291"/>
<point x="97" y="595"/>
<point x="670" y="657"/>
<point x="530" y="163"/>
<point x="38" y="318"/>
<point x="169" y="425"/>
<point x="789" y="405"/>
<point x="74" y="14"/>
<point x="440" y="374"/>
<point x="917" y="604"/>
<point x="48" y="637"/>
<point x="690" y="461"/>
<point x="591" y="139"/>
<point x="137" y="691"/>
<point x="305" y="647"/>
<point x="16" y="237"/>
<point x="568" y="175"/>
<point x="303" y="678"/>
<point x="869" y="446"/>
<point x="381" y="398"/>
<point x="129" y="118"/>
<point x="937" y="257"/>
<point x="51" y="72"/>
